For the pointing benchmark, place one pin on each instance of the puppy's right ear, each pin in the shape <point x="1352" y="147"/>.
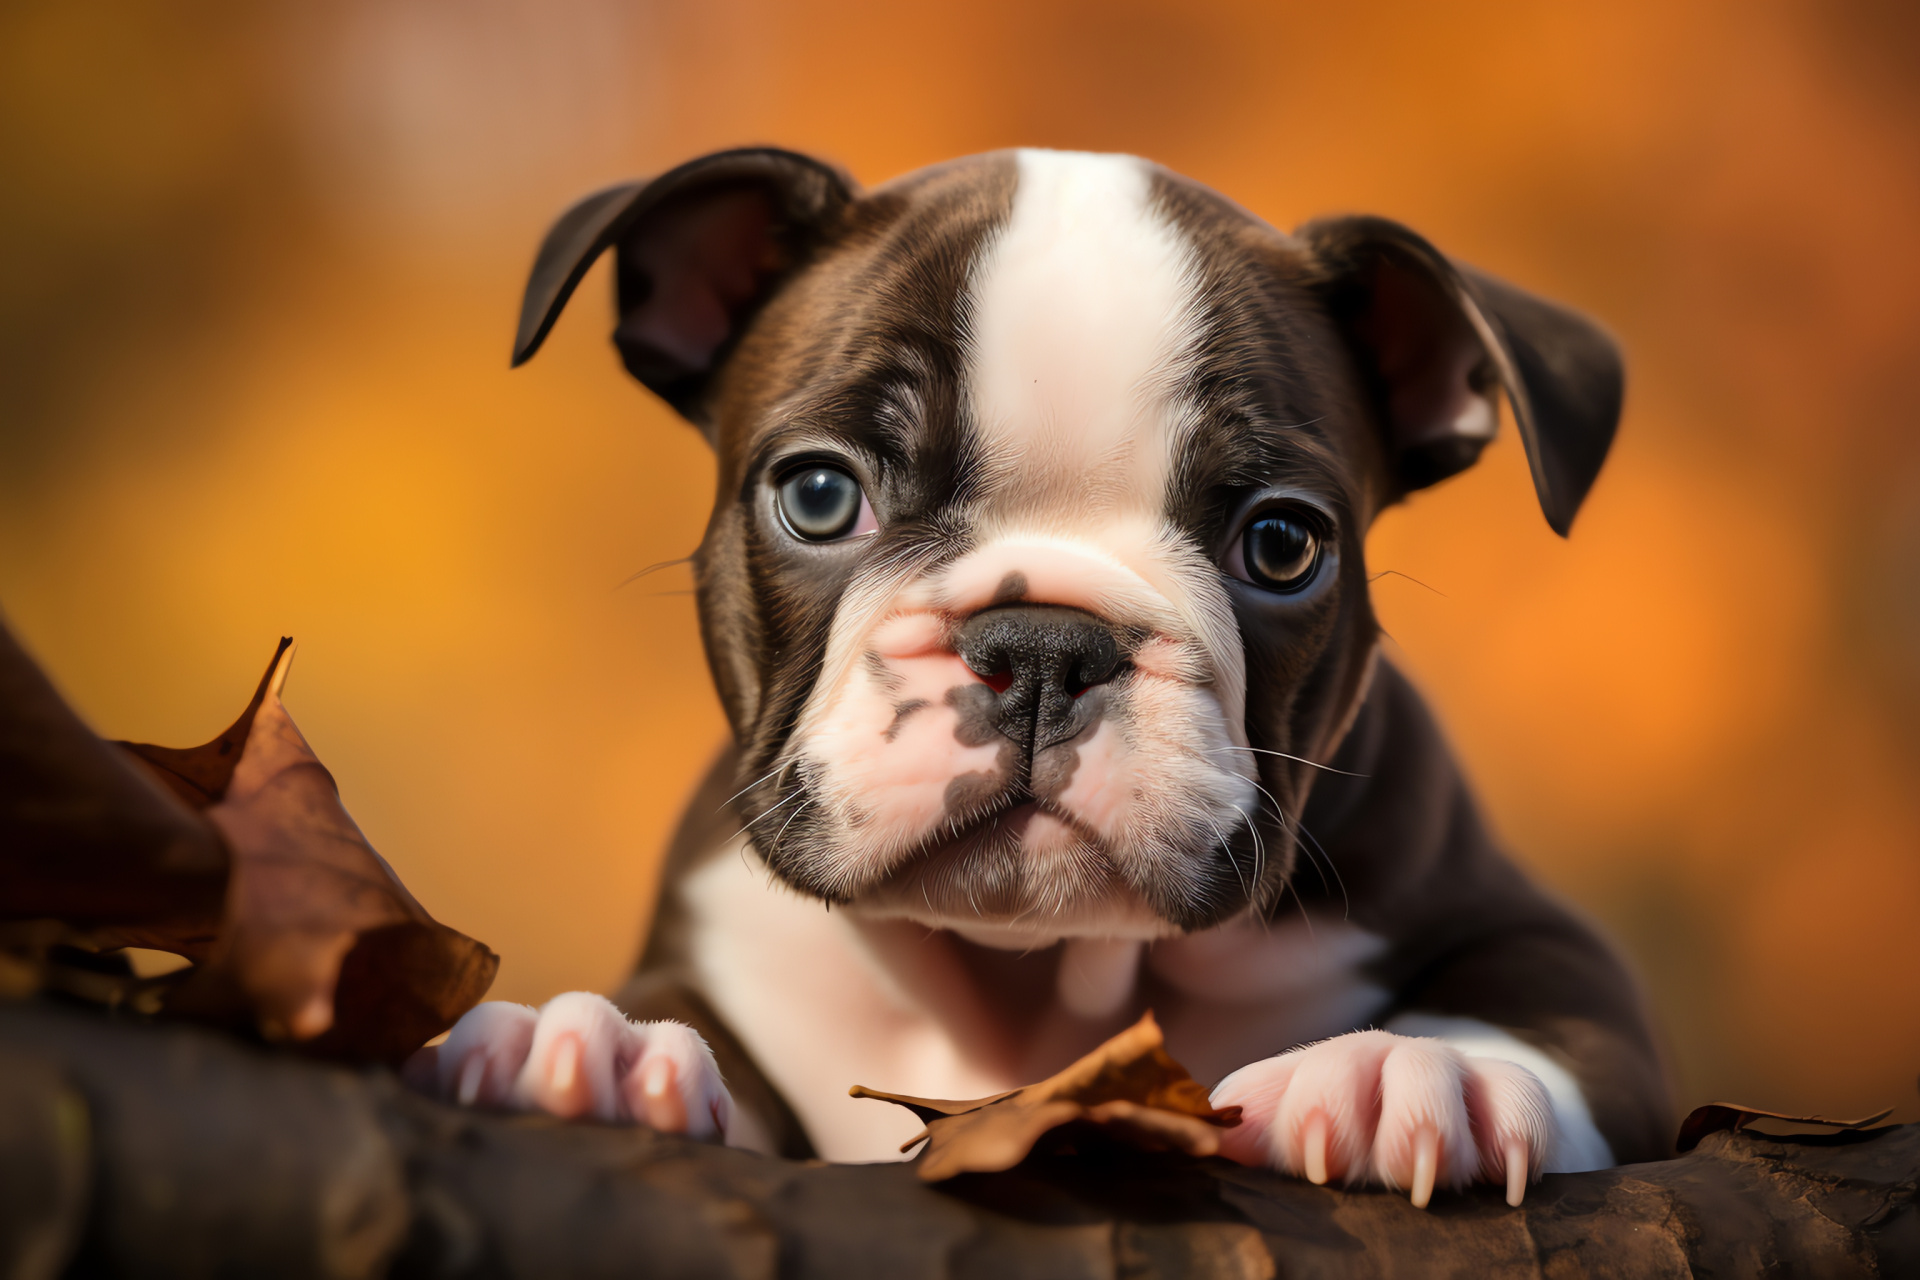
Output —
<point x="1440" y="341"/>
<point x="698" y="251"/>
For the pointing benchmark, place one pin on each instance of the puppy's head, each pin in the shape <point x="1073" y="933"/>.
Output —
<point x="1034" y="582"/>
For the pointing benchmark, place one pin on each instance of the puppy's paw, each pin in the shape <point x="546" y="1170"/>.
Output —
<point x="1406" y="1113"/>
<point x="578" y="1056"/>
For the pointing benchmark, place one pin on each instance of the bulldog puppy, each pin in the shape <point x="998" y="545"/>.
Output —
<point x="1035" y="593"/>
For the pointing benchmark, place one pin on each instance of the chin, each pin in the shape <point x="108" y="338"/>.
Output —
<point x="1026" y="877"/>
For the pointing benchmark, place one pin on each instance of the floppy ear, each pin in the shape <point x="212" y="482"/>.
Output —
<point x="698" y="250"/>
<point x="1439" y="339"/>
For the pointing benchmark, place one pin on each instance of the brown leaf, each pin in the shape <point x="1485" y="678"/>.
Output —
<point x="237" y="855"/>
<point x="1129" y="1087"/>
<point x="88" y="841"/>
<point x="200" y="775"/>
<point x="321" y="942"/>
<point x="1716" y="1117"/>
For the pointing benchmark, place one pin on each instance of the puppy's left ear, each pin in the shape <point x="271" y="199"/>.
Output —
<point x="698" y="251"/>
<point x="1438" y="339"/>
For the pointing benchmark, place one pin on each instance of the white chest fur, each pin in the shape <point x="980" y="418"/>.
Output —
<point x="824" y="1001"/>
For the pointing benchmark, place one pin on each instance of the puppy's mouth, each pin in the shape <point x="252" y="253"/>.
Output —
<point x="1023" y="859"/>
<point x="1013" y="860"/>
<point x="1011" y="820"/>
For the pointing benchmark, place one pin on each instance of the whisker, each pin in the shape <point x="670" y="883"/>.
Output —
<point x="1286" y="882"/>
<point x="1264" y="751"/>
<point x="1325" y="887"/>
<point x="1300" y="905"/>
<point x="652" y="568"/>
<point x="1346" y="904"/>
<point x="1317" y="857"/>
<point x="1410" y="578"/>
<point x="1226" y="847"/>
<point x="794" y="795"/>
<point x="1259" y="848"/>
<point x="774" y="848"/>
<point x="779" y="768"/>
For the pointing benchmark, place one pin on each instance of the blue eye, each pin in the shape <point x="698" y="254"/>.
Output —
<point x="1281" y="553"/>
<point x="820" y="503"/>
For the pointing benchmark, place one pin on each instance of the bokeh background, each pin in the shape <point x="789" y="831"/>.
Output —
<point x="259" y="266"/>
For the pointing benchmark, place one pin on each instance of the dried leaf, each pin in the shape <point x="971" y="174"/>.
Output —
<point x="89" y="842"/>
<point x="1130" y="1088"/>
<point x="321" y="941"/>
<point x="1716" y="1117"/>
<point x="200" y="775"/>
<point x="236" y="855"/>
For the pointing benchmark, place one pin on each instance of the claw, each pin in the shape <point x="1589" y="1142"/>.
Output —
<point x="1516" y="1172"/>
<point x="1313" y="1154"/>
<point x="566" y="1063"/>
<point x="472" y="1073"/>
<point x="665" y="1111"/>
<point x="1426" y="1159"/>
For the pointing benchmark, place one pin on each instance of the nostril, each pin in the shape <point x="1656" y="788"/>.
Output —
<point x="1098" y="662"/>
<point x="1084" y="677"/>
<point x="990" y="664"/>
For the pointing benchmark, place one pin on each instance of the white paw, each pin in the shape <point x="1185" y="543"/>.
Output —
<point x="578" y="1056"/>
<point x="1407" y="1113"/>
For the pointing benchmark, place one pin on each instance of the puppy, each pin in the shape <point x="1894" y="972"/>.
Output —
<point x="1035" y="593"/>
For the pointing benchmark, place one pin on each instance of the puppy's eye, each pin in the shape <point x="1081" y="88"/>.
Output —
<point x="1280" y="552"/>
<point x="820" y="503"/>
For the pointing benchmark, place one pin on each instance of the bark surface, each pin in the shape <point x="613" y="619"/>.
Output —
<point x="129" y="1148"/>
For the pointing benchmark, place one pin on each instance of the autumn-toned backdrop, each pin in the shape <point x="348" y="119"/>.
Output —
<point x="259" y="266"/>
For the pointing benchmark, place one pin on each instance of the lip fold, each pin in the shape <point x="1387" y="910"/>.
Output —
<point x="1011" y="816"/>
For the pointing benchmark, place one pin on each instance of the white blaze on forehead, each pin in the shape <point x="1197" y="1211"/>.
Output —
<point x="1085" y="319"/>
<point x="1085" y="316"/>
<point x="1083" y="309"/>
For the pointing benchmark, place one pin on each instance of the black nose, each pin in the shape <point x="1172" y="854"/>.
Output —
<point x="1039" y="659"/>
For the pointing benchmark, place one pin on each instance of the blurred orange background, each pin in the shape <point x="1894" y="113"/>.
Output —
<point x="262" y="262"/>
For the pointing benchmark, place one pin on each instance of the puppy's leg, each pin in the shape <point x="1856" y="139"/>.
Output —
<point x="1395" y="1110"/>
<point x="578" y="1056"/>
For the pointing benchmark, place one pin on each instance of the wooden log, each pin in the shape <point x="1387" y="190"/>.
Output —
<point x="136" y="1149"/>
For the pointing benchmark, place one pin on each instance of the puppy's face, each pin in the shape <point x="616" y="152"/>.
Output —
<point x="1043" y="494"/>
<point x="1034" y="584"/>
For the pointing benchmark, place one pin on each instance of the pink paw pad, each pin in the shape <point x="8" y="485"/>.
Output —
<point x="1397" y="1111"/>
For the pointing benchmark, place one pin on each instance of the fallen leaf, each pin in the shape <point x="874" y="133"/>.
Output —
<point x="1130" y="1088"/>
<point x="200" y="775"/>
<point x="321" y="942"/>
<point x="1716" y="1117"/>
<point x="93" y="852"/>
<point x="236" y="855"/>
